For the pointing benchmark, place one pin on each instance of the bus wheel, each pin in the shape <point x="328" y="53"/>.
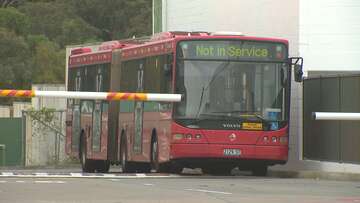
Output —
<point x="154" y="162"/>
<point x="124" y="163"/>
<point x="259" y="171"/>
<point x="86" y="164"/>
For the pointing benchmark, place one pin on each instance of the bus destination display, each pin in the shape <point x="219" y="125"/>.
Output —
<point x="232" y="50"/>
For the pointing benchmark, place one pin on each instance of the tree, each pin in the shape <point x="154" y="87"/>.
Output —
<point x="14" y="60"/>
<point x="8" y="3"/>
<point x="13" y="20"/>
<point x="116" y="19"/>
<point x="48" y="63"/>
<point x="77" y="31"/>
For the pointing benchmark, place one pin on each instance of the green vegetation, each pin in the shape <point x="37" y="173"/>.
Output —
<point x="34" y="34"/>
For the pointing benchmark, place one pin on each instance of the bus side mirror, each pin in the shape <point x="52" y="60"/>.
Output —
<point x="297" y="63"/>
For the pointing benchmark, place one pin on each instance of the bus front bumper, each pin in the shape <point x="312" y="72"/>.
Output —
<point x="216" y="151"/>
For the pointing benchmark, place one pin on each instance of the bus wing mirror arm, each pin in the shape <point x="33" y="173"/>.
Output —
<point x="297" y="64"/>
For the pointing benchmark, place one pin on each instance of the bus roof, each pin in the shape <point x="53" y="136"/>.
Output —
<point x="160" y="43"/>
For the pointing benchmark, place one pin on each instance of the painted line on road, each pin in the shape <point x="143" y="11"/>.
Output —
<point x="20" y="181"/>
<point x="7" y="174"/>
<point x="209" y="191"/>
<point x="86" y="175"/>
<point x="76" y="174"/>
<point x="3" y="181"/>
<point x="48" y="181"/>
<point x="109" y="175"/>
<point x="41" y="174"/>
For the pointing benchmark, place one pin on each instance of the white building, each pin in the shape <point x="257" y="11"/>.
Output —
<point x="326" y="33"/>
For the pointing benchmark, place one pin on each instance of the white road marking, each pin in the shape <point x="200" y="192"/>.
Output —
<point x="76" y="174"/>
<point x="43" y="181"/>
<point x="85" y="175"/>
<point x="3" y="181"/>
<point x="41" y="174"/>
<point x="148" y="184"/>
<point x="20" y="181"/>
<point x="49" y="181"/>
<point x="7" y="174"/>
<point x="209" y="191"/>
<point x="109" y="175"/>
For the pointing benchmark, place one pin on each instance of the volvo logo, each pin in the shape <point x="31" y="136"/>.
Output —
<point x="231" y="125"/>
<point x="232" y="137"/>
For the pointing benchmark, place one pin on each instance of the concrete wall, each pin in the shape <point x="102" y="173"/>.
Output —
<point x="44" y="146"/>
<point x="268" y="18"/>
<point x="5" y="111"/>
<point x="18" y="107"/>
<point x="330" y="35"/>
<point x="51" y="103"/>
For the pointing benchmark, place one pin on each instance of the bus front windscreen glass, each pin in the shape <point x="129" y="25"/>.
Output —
<point x="232" y="88"/>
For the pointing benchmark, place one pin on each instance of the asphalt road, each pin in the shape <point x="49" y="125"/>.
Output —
<point x="116" y="188"/>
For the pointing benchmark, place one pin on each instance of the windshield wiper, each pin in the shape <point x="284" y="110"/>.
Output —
<point x="208" y="85"/>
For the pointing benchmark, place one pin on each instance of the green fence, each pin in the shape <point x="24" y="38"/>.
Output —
<point x="327" y="140"/>
<point x="11" y="139"/>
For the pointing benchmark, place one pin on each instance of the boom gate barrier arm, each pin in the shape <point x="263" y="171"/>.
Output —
<point x="109" y="96"/>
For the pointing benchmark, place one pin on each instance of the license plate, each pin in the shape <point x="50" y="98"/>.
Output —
<point x="232" y="152"/>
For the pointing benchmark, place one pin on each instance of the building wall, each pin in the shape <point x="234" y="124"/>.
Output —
<point x="330" y="35"/>
<point x="5" y="111"/>
<point x="51" y="103"/>
<point x="19" y="107"/>
<point x="268" y="18"/>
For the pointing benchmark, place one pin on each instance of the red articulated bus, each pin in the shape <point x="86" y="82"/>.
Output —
<point x="234" y="110"/>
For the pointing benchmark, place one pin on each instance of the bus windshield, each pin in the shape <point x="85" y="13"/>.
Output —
<point x="232" y="88"/>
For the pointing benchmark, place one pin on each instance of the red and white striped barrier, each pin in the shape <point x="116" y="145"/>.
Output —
<point x="110" y="96"/>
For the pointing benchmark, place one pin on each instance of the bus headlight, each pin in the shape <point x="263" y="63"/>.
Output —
<point x="274" y="139"/>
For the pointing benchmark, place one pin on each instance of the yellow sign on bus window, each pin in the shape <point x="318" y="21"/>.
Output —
<point x="252" y="126"/>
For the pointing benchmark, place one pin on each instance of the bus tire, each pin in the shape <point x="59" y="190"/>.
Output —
<point x="86" y="164"/>
<point x="124" y="163"/>
<point x="260" y="171"/>
<point x="154" y="155"/>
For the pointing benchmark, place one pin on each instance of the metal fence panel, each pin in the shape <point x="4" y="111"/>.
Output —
<point x="329" y="95"/>
<point x="337" y="141"/>
<point x="11" y="138"/>
<point x="350" y="130"/>
<point x="311" y="139"/>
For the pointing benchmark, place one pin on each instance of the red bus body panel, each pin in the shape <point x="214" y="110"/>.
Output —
<point x="213" y="143"/>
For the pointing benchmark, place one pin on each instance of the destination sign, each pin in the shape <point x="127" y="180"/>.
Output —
<point x="232" y="50"/>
